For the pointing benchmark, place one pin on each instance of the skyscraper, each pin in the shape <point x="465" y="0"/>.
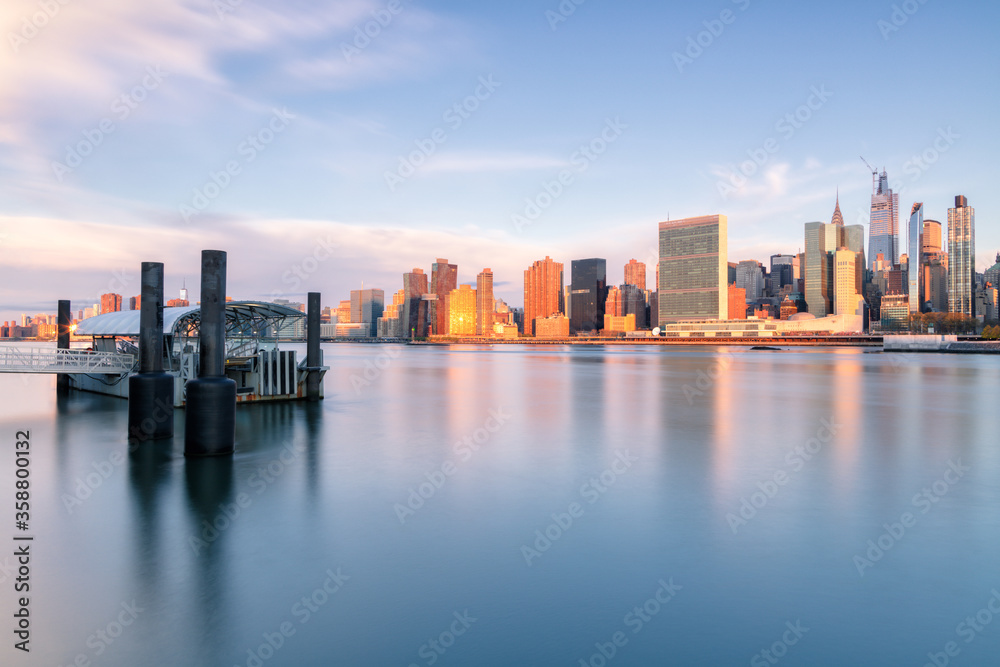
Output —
<point x="853" y="238"/>
<point x="750" y="277"/>
<point x="634" y="303"/>
<point x="390" y="324"/>
<point x="782" y="271"/>
<point x="367" y="306"/>
<point x="932" y="236"/>
<point x="961" y="258"/>
<point x="444" y="278"/>
<point x="635" y="274"/>
<point x="111" y="303"/>
<point x="462" y="311"/>
<point x="934" y="262"/>
<point x="822" y="240"/>
<point x="543" y="292"/>
<point x="846" y="282"/>
<point x="737" y="302"/>
<point x="344" y="312"/>
<point x="414" y="307"/>
<point x="883" y="230"/>
<point x="485" y="305"/>
<point x="588" y="291"/>
<point x="613" y="305"/>
<point x="914" y="253"/>
<point x="694" y="271"/>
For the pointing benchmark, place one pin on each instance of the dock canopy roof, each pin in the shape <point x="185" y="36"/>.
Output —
<point x="243" y="318"/>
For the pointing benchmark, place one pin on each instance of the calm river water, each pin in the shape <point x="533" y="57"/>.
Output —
<point x="528" y="506"/>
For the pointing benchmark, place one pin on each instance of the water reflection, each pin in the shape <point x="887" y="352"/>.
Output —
<point x="359" y="452"/>
<point x="210" y="502"/>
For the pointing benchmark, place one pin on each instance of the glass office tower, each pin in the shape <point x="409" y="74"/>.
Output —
<point x="883" y="230"/>
<point x="961" y="257"/>
<point x="914" y="254"/>
<point x="693" y="269"/>
<point x="588" y="292"/>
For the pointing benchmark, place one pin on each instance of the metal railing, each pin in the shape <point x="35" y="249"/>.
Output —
<point x="49" y="360"/>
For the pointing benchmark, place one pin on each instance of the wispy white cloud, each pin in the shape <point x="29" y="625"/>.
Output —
<point x="477" y="162"/>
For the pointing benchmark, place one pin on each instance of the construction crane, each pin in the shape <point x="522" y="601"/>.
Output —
<point x="875" y="180"/>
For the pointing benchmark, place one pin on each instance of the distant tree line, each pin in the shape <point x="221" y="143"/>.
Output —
<point x="943" y="323"/>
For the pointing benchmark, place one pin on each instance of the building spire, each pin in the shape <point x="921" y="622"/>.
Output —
<point x="838" y="217"/>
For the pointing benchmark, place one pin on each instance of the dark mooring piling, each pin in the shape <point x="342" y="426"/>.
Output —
<point x="64" y="321"/>
<point x="210" y="422"/>
<point x="314" y="356"/>
<point x="151" y="390"/>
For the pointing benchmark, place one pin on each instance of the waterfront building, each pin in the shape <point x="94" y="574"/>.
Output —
<point x="461" y="309"/>
<point x="588" y="293"/>
<point x="485" y="305"/>
<point x="344" y="312"/>
<point x="135" y="302"/>
<point x="895" y="312"/>
<point x="349" y="330"/>
<point x="619" y="323"/>
<point x="553" y="326"/>
<point x="543" y="292"/>
<point x="367" y="306"/>
<point x="961" y="257"/>
<point x="505" y="330"/>
<point x="693" y="270"/>
<point x="800" y="324"/>
<point x="414" y="306"/>
<point x="737" y="303"/>
<point x="444" y="278"/>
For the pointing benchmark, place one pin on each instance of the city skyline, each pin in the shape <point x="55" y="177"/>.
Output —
<point x="186" y="86"/>
<point x="827" y="245"/>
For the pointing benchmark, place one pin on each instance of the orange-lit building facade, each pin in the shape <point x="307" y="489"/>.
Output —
<point x="461" y="305"/>
<point x="737" y="303"/>
<point x="543" y="289"/>
<point x="553" y="326"/>
<point x="635" y="274"/>
<point x="619" y="323"/>
<point x="111" y="303"/>
<point x="485" y="305"/>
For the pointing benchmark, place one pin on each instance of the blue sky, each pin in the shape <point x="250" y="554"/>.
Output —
<point x="310" y="206"/>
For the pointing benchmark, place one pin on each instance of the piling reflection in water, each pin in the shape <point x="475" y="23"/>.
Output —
<point x="321" y="480"/>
